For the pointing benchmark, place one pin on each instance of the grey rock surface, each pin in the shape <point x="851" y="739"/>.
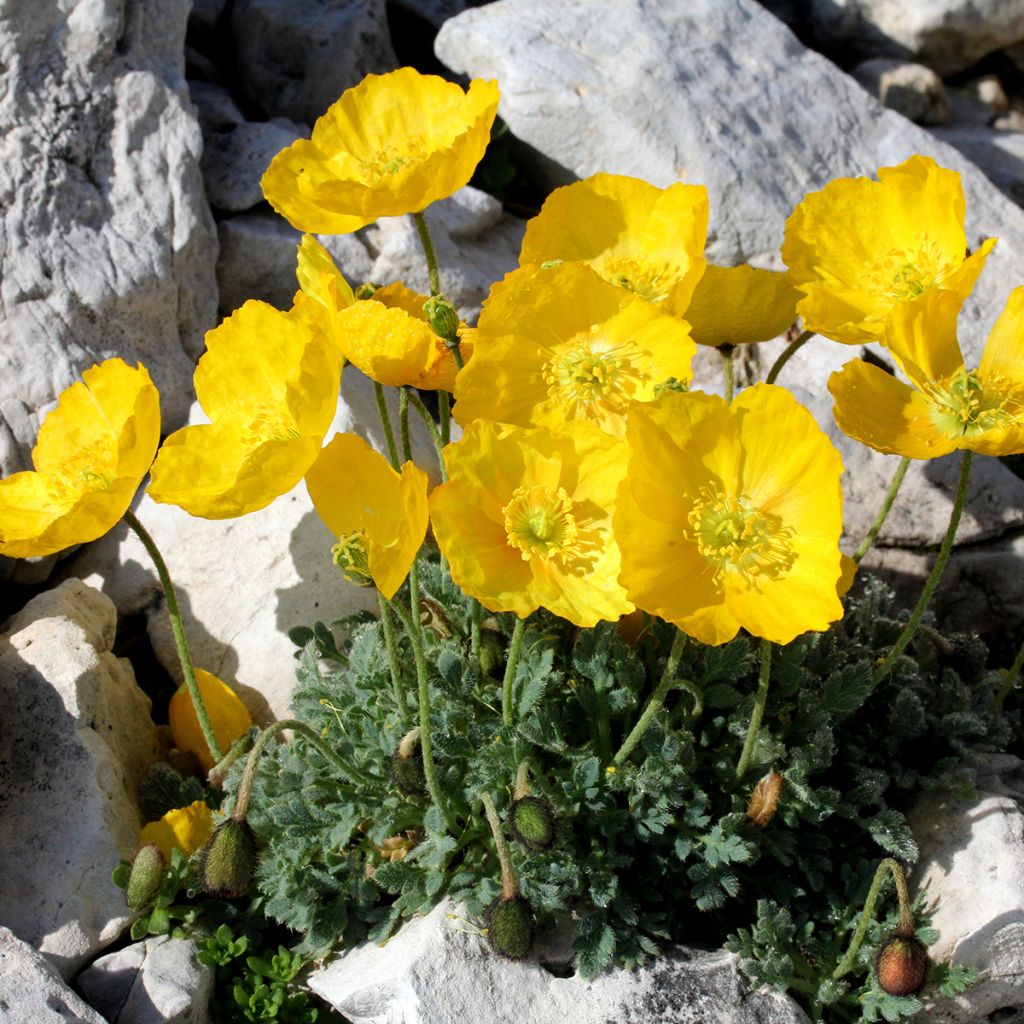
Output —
<point x="31" y="990"/>
<point x="158" y="981"/>
<point x="913" y="90"/>
<point x="296" y="57"/>
<point x="1000" y="154"/>
<point x="234" y="161"/>
<point x="76" y="742"/>
<point x="436" y="971"/>
<point x="435" y="12"/>
<point x="108" y="245"/>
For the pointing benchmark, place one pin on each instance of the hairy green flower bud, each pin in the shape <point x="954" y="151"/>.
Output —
<point x="407" y="766"/>
<point x="510" y="927"/>
<point x="532" y="823"/>
<point x="902" y="965"/>
<point x="443" y="318"/>
<point x="228" y="860"/>
<point x="144" y="879"/>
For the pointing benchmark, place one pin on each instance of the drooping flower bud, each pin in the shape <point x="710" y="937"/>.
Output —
<point x="443" y="318"/>
<point x="764" y="800"/>
<point x="228" y="860"/>
<point x="532" y="823"/>
<point x="902" y="965"/>
<point x="510" y="927"/>
<point x="144" y="878"/>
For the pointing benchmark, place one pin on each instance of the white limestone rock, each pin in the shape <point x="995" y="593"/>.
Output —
<point x="435" y="971"/>
<point x="31" y="990"/>
<point x="76" y="742"/>
<point x="157" y="981"/>
<point x="913" y="90"/>
<point x="108" y="242"/>
<point x="1000" y="154"/>
<point x="234" y="161"/>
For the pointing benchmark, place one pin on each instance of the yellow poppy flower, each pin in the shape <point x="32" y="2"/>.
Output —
<point x="560" y="344"/>
<point x="739" y="305"/>
<point x="645" y="239"/>
<point x="525" y="519"/>
<point x="270" y="386"/>
<point x="379" y="516"/>
<point x="946" y="406"/>
<point x="393" y="144"/>
<point x="859" y="248"/>
<point x="730" y="515"/>
<point x="185" y="829"/>
<point x="93" y="450"/>
<point x="229" y="717"/>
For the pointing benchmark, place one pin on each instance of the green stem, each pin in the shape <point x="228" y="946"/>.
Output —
<point x="428" y="420"/>
<point x="444" y="413"/>
<point x="787" y="353"/>
<point x="306" y="732"/>
<point x="428" y="253"/>
<point x="396" y="672"/>
<point x="655" y="701"/>
<point x="475" y="613"/>
<point x="216" y="775"/>
<point x="759" y="702"/>
<point x="1011" y="678"/>
<point x="385" y="419"/>
<point x="403" y="422"/>
<point x="728" y="370"/>
<point x="906" y="925"/>
<point x="179" y="633"/>
<point x="935" y="575"/>
<point x="883" y="512"/>
<point x="509" y="880"/>
<point x="508" y="684"/>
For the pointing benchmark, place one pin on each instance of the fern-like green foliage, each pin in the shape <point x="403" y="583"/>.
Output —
<point x="652" y="850"/>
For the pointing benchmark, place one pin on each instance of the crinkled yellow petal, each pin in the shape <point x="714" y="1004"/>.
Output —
<point x="390" y="563"/>
<point x="185" y="829"/>
<point x="1003" y="357"/>
<point x="921" y="335"/>
<point x="320" y="278"/>
<point x="845" y="315"/>
<point x="873" y="407"/>
<point x="738" y="305"/>
<point x="229" y="717"/>
<point x="393" y="144"/>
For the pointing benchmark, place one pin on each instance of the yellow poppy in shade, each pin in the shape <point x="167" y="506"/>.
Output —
<point x="393" y="144"/>
<point x="730" y="515"/>
<point x="645" y="239"/>
<point x="92" y="452"/>
<point x="525" y="519"/>
<point x="560" y="344"/>
<point x="859" y="248"/>
<point x="229" y="717"/>
<point x="739" y="305"/>
<point x="379" y="516"/>
<point x="270" y="387"/>
<point x="945" y="406"/>
<point x="185" y="829"/>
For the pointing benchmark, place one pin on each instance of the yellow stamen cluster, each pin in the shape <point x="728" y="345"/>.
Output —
<point x="586" y="374"/>
<point x="965" y="406"/>
<point x="352" y="555"/>
<point x="539" y="522"/>
<point x="651" y="281"/>
<point x="270" y="424"/>
<point x="905" y="273"/>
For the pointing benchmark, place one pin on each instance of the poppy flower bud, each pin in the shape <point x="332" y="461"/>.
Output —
<point x="510" y="927"/>
<point x="532" y="822"/>
<point x="902" y="965"/>
<point x="144" y="878"/>
<point x="228" y="860"/>
<point x="443" y="318"/>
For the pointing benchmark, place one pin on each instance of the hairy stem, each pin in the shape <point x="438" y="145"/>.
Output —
<point x="403" y="422"/>
<point x="385" y="420"/>
<point x="727" y="352"/>
<point x="509" y="879"/>
<point x="396" y="672"/>
<point x="417" y="403"/>
<point x="883" y="513"/>
<point x="760" y="700"/>
<point x="787" y="353"/>
<point x="508" y="684"/>
<point x="428" y="253"/>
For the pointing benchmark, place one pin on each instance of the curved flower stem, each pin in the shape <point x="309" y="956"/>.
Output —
<point x="428" y="420"/>
<point x="385" y="419"/>
<point x="514" y="648"/>
<point x="656" y="699"/>
<point x="883" y="512"/>
<point x="758" y="713"/>
<point x="509" y="879"/>
<point x="786" y="354"/>
<point x="179" y="633"/>
<point x="935" y="575"/>
<point x="728" y="370"/>
<point x="428" y="253"/>
<point x="906" y="925"/>
<point x="306" y="732"/>
<point x="216" y="775"/>
<point x="1012" y="675"/>
<point x="426" y="743"/>
<point x="392" y="648"/>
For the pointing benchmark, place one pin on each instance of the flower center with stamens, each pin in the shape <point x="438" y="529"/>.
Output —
<point x="964" y="406"/>
<point x="270" y="425"/>
<point x="906" y="273"/>
<point x="352" y="555"/>
<point x="386" y="161"/>
<point x="651" y="281"/>
<point x="539" y="522"/>
<point x="588" y="374"/>
<point x="736" y="536"/>
<point x="90" y="468"/>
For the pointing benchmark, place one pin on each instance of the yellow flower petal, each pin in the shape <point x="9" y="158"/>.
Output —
<point x="185" y="829"/>
<point x="1003" y="357"/>
<point x="393" y="144"/>
<point x="319" y="278"/>
<point x="921" y="335"/>
<point x="229" y="717"/>
<point x="738" y="305"/>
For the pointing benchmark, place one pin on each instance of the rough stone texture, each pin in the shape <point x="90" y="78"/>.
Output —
<point x="972" y="871"/>
<point x="234" y="161"/>
<point x="242" y="583"/>
<point x="31" y="990"/>
<point x="157" y="981"/>
<point x="724" y="94"/>
<point x="436" y="12"/>
<point x="999" y="154"/>
<point x="296" y="57"/>
<point x="107" y="243"/>
<point x="77" y="740"/>
<point x="913" y="90"/>
<point x="399" y="983"/>
<point x="215" y="106"/>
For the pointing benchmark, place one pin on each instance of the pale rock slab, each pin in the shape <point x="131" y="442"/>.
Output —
<point x="31" y="990"/>
<point x="1000" y="154"/>
<point x="107" y="245"/>
<point x="972" y="872"/>
<point x="243" y="583"/>
<point x="913" y="90"/>
<point x="76" y="743"/>
<point x="435" y="971"/>
<point x="158" y="981"/>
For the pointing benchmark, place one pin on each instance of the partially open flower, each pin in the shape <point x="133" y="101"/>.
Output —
<point x="185" y="829"/>
<point x="229" y="717"/>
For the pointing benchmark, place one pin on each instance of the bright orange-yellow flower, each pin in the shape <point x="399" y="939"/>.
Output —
<point x="560" y="344"/>
<point x="229" y="717"/>
<point x="739" y="305"/>
<point x="184" y="828"/>
<point x="525" y="519"/>
<point x="860" y="248"/>
<point x="946" y="406"/>
<point x="91" y="455"/>
<point x="379" y="516"/>
<point x="730" y="515"/>
<point x="393" y="144"/>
